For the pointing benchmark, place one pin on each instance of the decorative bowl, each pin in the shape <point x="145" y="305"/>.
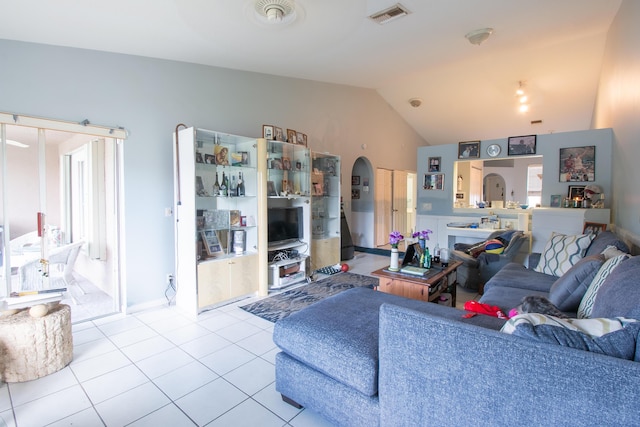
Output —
<point x="524" y="206"/>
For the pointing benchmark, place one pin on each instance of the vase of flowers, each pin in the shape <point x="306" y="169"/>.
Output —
<point x="422" y="236"/>
<point x="394" y="239"/>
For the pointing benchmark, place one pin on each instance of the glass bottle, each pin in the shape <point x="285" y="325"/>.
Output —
<point x="436" y="253"/>
<point x="427" y="258"/>
<point x="216" y="186"/>
<point x="233" y="189"/>
<point x="223" y="186"/>
<point x="240" y="185"/>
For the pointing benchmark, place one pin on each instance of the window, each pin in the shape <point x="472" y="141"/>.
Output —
<point x="534" y="185"/>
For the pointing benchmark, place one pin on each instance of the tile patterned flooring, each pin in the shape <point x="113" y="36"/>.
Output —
<point x="160" y="368"/>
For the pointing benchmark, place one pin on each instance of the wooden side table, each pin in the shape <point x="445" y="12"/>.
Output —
<point x="425" y="288"/>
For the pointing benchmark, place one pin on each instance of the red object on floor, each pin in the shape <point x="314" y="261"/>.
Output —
<point x="344" y="267"/>
<point x="489" y="310"/>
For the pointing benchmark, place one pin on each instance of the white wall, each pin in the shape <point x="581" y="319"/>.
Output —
<point x="618" y="107"/>
<point x="150" y="97"/>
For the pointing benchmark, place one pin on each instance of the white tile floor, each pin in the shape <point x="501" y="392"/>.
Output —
<point x="159" y="368"/>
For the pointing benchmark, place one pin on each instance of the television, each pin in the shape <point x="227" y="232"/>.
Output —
<point x="285" y="225"/>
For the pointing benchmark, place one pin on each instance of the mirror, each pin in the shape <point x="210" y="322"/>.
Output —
<point x="514" y="179"/>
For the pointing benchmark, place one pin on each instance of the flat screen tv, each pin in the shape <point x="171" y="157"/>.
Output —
<point x="285" y="225"/>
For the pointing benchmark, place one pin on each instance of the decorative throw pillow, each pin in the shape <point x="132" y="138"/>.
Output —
<point x="567" y="292"/>
<point x="619" y="295"/>
<point x="621" y="343"/>
<point x="586" y="305"/>
<point x="561" y="252"/>
<point x="592" y="327"/>
<point x="494" y="246"/>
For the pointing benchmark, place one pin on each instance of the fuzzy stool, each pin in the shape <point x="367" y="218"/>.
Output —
<point x="32" y="347"/>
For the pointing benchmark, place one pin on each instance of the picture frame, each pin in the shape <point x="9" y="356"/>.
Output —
<point x="434" y="164"/>
<point x="460" y="196"/>
<point x="301" y="138"/>
<point x="271" y="189"/>
<point x="355" y="194"/>
<point x="355" y="180"/>
<point x="291" y="136"/>
<point x="593" y="228"/>
<point x="268" y="132"/>
<point x="521" y="145"/>
<point x="468" y="149"/>
<point x="209" y="159"/>
<point x="578" y="164"/>
<point x="221" y="154"/>
<point x="286" y="164"/>
<point x="200" y="190"/>
<point x="199" y="158"/>
<point x="279" y="134"/>
<point x="556" y="201"/>
<point x="576" y="191"/>
<point x="211" y="243"/>
<point x="433" y="181"/>
<point x="276" y="163"/>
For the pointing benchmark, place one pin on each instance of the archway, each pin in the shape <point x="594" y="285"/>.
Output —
<point x="362" y="203"/>
<point x="493" y="188"/>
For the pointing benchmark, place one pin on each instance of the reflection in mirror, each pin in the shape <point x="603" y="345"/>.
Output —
<point x="498" y="182"/>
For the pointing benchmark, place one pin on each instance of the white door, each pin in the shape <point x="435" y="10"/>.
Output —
<point x="400" y="202"/>
<point x="383" y="205"/>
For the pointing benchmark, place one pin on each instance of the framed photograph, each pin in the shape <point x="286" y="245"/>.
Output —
<point x="593" y="228"/>
<point x="301" y="138"/>
<point x="556" y="200"/>
<point x="578" y="164"/>
<point x="291" y="136"/>
<point x="460" y="196"/>
<point x="279" y="134"/>
<point x="298" y="166"/>
<point x="199" y="158"/>
<point x="239" y="158"/>
<point x="521" y="145"/>
<point x="268" y="132"/>
<point x="286" y="163"/>
<point x="434" y="164"/>
<point x="200" y="190"/>
<point x="468" y="149"/>
<point x="355" y="180"/>
<point x="276" y="163"/>
<point x="576" y="191"/>
<point x="433" y="181"/>
<point x="211" y="243"/>
<point x="209" y="159"/>
<point x="271" y="189"/>
<point x="221" y="154"/>
<point x="355" y="193"/>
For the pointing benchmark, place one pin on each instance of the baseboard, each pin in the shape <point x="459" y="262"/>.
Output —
<point x="136" y="308"/>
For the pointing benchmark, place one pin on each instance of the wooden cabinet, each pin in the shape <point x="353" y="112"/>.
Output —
<point x="219" y="208"/>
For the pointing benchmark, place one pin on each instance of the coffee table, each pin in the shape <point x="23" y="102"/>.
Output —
<point x="425" y="288"/>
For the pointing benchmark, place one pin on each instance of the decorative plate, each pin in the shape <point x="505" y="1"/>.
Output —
<point x="493" y="150"/>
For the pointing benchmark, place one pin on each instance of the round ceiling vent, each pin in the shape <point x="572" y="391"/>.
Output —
<point x="275" y="12"/>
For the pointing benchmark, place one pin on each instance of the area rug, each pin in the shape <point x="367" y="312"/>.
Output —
<point x="282" y="305"/>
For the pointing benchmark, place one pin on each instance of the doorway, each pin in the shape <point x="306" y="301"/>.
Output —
<point x="61" y="198"/>
<point x="395" y="206"/>
<point x="494" y="189"/>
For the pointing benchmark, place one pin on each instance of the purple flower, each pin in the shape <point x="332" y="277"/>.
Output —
<point x="395" y="238"/>
<point x="424" y="234"/>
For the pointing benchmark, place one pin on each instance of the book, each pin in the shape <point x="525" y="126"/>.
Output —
<point x="413" y="270"/>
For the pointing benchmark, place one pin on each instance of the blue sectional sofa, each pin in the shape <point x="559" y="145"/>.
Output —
<point x="366" y="358"/>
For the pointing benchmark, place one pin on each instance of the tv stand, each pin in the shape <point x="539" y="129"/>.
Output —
<point x="287" y="272"/>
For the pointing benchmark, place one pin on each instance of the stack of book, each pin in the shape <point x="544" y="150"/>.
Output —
<point x="30" y="298"/>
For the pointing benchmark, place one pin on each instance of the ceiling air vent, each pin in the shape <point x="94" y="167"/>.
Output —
<point x="388" y="15"/>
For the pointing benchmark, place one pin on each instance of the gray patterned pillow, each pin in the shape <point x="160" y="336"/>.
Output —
<point x="586" y="304"/>
<point x="561" y="252"/>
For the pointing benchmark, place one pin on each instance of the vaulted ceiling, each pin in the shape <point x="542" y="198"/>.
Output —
<point x="467" y="91"/>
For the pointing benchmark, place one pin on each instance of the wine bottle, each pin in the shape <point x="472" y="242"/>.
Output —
<point x="427" y="258"/>
<point x="223" y="186"/>
<point x="240" y="184"/>
<point x="216" y="186"/>
<point x="233" y="189"/>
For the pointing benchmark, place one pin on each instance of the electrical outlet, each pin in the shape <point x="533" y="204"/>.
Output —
<point x="169" y="278"/>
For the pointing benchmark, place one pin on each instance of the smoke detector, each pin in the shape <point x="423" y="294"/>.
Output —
<point x="478" y="36"/>
<point x="415" y="102"/>
<point x="275" y="11"/>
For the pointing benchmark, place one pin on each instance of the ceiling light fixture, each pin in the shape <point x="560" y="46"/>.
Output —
<point x="478" y="36"/>
<point x="275" y="12"/>
<point x="522" y="97"/>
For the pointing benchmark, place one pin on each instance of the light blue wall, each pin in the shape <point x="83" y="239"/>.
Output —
<point x="150" y="97"/>
<point x="441" y="202"/>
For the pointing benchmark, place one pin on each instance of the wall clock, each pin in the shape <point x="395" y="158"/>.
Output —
<point x="493" y="150"/>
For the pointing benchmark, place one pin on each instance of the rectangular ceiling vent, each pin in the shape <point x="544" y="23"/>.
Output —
<point x="388" y="15"/>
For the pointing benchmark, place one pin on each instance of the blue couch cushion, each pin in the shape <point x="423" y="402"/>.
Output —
<point x="506" y="297"/>
<point x="619" y="295"/>
<point x="516" y="275"/>
<point x="567" y="291"/>
<point x="621" y="343"/>
<point x="338" y="336"/>
<point x="604" y="239"/>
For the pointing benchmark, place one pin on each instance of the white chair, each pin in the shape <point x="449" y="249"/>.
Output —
<point x="61" y="264"/>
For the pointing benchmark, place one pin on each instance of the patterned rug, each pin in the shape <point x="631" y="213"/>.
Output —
<point x="282" y="305"/>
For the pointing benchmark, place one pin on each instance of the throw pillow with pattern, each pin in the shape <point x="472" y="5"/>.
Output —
<point x="561" y="252"/>
<point x="586" y="304"/>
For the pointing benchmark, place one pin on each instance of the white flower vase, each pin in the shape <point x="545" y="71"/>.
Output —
<point x="393" y="266"/>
